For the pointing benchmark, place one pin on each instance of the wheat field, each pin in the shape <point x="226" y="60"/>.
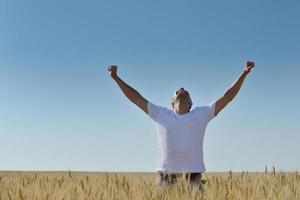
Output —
<point x="100" y="185"/>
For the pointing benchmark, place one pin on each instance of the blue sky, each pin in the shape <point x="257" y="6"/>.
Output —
<point x="60" y="110"/>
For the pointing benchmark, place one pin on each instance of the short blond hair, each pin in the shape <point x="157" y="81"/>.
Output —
<point x="187" y="93"/>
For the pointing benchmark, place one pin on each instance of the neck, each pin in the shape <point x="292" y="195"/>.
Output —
<point x="181" y="112"/>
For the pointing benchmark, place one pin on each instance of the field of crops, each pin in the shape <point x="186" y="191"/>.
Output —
<point x="97" y="185"/>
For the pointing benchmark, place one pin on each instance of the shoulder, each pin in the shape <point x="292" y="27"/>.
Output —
<point x="205" y="108"/>
<point x="155" y="107"/>
<point x="199" y="109"/>
<point x="206" y="111"/>
<point x="155" y="110"/>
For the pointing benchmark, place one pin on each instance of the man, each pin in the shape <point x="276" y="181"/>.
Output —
<point x="180" y="131"/>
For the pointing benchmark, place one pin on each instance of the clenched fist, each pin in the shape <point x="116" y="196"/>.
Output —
<point x="249" y="66"/>
<point x="112" y="69"/>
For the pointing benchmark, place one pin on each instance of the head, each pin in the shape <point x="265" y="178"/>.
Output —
<point x="181" y="101"/>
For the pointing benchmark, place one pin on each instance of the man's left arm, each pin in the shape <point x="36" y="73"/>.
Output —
<point x="233" y="89"/>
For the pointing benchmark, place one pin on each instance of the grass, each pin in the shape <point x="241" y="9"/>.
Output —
<point x="99" y="185"/>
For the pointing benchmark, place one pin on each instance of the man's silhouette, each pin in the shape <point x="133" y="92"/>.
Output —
<point x="180" y="131"/>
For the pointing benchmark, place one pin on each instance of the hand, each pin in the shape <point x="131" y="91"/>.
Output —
<point x="112" y="69"/>
<point x="248" y="67"/>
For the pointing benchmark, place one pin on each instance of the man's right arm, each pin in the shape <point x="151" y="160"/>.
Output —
<point x="129" y="92"/>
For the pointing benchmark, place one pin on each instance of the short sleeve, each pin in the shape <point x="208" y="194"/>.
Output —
<point x="153" y="110"/>
<point x="210" y="111"/>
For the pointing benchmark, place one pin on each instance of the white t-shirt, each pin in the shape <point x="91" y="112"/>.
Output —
<point x="180" y="137"/>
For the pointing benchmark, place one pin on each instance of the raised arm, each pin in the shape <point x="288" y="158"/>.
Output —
<point x="233" y="89"/>
<point x="129" y="92"/>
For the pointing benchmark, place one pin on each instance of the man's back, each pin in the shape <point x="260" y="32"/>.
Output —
<point x="180" y="137"/>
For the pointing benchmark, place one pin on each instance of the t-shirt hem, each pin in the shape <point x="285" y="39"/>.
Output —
<point x="180" y="171"/>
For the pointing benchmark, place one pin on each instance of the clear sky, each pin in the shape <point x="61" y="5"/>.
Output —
<point x="60" y="110"/>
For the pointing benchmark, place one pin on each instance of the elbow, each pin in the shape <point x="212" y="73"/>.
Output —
<point x="228" y="97"/>
<point x="136" y="98"/>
